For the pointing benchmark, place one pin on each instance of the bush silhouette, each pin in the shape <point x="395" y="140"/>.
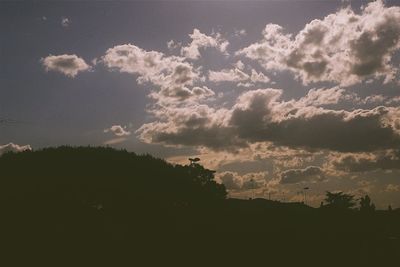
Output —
<point x="339" y="200"/>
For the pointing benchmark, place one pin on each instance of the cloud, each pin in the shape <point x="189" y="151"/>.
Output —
<point x="65" y="22"/>
<point x="364" y="162"/>
<point x="118" y="130"/>
<point x="240" y="33"/>
<point x="230" y="180"/>
<point x="69" y="65"/>
<point x="248" y="181"/>
<point x="237" y="75"/>
<point x="194" y="125"/>
<point x="10" y="147"/>
<point x="227" y="75"/>
<point x="392" y="188"/>
<point x="308" y="174"/>
<point x="171" y="74"/>
<point x="201" y="40"/>
<point x="261" y="116"/>
<point x="323" y="96"/>
<point x="172" y="45"/>
<point x="344" y="47"/>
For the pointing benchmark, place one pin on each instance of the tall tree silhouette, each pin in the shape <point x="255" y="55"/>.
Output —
<point x="366" y="205"/>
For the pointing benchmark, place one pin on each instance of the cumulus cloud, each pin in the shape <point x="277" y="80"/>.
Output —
<point x="308" y="174"/>
<point x="343" y="47"/>
<point x="195" y="125"/>
<point x="10" y="147"/>
<point x="261" y="116"/>
<point x="171" y="74"/>
<point x="201" y="40"/>
<point x="69" y="65"/>
<point x="118" y="130"/>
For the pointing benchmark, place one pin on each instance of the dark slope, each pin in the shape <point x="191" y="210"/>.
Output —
<point x="62" y="202"/>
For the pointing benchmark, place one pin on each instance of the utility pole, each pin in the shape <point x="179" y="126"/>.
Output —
<point x="252" y="187"/>
<point x="305" y="194"/>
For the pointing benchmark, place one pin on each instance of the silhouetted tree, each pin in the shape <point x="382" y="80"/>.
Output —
<point x="339" y="200"/>
<point x="366" y="205"/>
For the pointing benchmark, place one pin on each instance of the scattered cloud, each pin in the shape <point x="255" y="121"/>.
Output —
<point x="69" y="65"/>
<point x="240" y="33"/>
<point x="65" y="22"/>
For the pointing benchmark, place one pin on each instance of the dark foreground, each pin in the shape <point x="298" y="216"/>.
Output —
<point x="98" y="206"/>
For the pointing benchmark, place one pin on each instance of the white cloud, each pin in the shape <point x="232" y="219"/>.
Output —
<point x="118" y="130"/>
<point x="240" y="33"/>
<point x="69" y="65"/>
<point x="65" y="22"/>
<point x="228" y="75"/>
<point x="344" y="47"/>
<point x="201" y="40"/>
<point x="171" y="44"/>
<point x="13" y="148"/>
<point x="171" y="74"/>
<point x="238" y="75"/>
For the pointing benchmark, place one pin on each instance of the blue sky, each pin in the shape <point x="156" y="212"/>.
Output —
<point x="274" y="95"/>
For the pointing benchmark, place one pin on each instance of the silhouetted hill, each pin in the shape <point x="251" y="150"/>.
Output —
<point x="113" y="200"/>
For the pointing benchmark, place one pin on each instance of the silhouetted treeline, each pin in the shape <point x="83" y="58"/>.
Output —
<point x="101" y="198"/>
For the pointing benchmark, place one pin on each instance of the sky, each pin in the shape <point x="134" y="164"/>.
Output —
<point x="276" y="96"/>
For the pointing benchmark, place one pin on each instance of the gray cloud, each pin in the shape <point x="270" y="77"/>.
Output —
<point x="363" y="162"/>
<point x="248" y="181"/>
<point x="308" y="174"/>
<point x="260" y="116"/>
